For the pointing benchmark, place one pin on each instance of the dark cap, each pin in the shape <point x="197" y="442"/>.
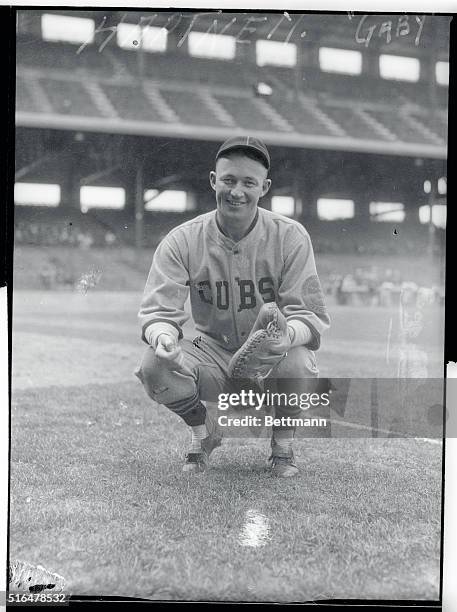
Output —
<point x="245" y="142"/>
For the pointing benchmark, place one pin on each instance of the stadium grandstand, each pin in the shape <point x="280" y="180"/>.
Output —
<point x="119" y="115"/>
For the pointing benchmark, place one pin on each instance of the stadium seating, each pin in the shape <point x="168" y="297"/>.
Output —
<point x="55" y="227"/>
<point x="77" y="242"/>
<point x="371" y="239"/>
<point x="298" y="115"/>
<point x="352" y="123"/>
<point x="63" y="57"/>
<point x="189" y="107"/>
<point x="363" y="88"/>
<point x="24" y="99"/>
<point x="442" y="96"/>
<point x="276" y="75"/>
<point x="181" y="68"/>
<point x="398" y="126"/>
<point x="247" y="114"/>
<point x="330" y="108"/>
<point x="105" y="83"/>
<point x="435" y="122"/>
<point x="131" y="102"/>
<point x="69" y="97"/>
<point x="41" y="225"/>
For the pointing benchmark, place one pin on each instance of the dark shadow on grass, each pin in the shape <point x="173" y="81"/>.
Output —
<point x="236" y="469"/>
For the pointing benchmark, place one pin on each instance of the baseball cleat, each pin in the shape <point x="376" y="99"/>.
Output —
<point x="195" y="462"/>
<point x="198" y="461"/>
<point x="264" y="348"/>
<point x="283" y="466"/>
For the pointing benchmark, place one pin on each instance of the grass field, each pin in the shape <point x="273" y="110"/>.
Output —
<point x="98" y="496"/>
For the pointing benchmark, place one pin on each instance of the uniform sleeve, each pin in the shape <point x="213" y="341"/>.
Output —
<point x="167" y="288"/>
<point x="301" y="298"/>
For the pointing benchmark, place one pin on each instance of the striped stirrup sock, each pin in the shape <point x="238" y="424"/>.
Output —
<point x="199" y="433"/>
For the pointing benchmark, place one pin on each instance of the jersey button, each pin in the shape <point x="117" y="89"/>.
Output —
<point x="243" y="333"/>
<point x="236" y="252"/>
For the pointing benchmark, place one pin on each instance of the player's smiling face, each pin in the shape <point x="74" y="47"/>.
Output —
<point x="239" y="183"/>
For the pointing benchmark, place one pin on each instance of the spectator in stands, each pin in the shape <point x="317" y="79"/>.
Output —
<point x="85" y="240"/>
<point x="110" y="239"/>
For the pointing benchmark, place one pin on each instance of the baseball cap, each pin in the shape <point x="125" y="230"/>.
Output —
<point x="245" y="142"/>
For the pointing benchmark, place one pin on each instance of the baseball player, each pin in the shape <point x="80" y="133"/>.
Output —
<point x="255" y="298"/>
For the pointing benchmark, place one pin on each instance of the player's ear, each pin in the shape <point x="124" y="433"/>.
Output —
<point x="266" y="186"/>
<point x="212" y="179"/>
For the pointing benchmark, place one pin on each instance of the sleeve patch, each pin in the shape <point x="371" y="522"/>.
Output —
<point x="313" y="295"/>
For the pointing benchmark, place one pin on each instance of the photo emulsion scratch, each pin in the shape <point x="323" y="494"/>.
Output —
<point x="228" y="305"/>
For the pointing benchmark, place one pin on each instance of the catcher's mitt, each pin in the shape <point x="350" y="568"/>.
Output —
<point x="265" y="347"/>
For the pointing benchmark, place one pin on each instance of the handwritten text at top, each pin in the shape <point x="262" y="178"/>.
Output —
<point x="243" y="27"/>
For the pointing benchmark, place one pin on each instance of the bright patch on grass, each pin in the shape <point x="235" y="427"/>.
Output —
<point x="256" y="529"/>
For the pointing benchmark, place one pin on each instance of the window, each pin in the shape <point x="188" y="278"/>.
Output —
<point x="331" y="209"/>
<point x="340" y="60"/>
<point x="203" y="44"/>
<point x="399" y="68"/>
<point x="37" y="194"/>
<point x="102" y="197"/>
<point x="442" y="185"/>
<point x="438" y="215"/>
<point x="427" y="186"/>
<point x="169" y="200"/>
<point x="283" y="205"/>
<point x="70" y="29"/>
<point x="132" y="36"/>
<point x="273" y="53"/>
<point x="442" y="73"/>
<point x="387" y="211"/>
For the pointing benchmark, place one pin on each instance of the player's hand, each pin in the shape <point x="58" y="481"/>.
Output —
<point x="281" y="346"/>
<point x="283" y="343"/>
<point x="171" y="354"/>
<point x="265" y="348"/>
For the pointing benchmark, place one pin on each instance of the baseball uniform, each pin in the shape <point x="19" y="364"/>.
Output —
<point x="227" y="282"/>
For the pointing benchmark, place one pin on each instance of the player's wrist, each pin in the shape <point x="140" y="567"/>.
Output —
<point x="156" y="329"/>
<point x="302" y="333"/>
<point x="291" y="332"/>
<point x="162" y="338"/>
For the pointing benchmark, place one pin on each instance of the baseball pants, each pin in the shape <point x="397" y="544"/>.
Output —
<point x="208" y="362"/>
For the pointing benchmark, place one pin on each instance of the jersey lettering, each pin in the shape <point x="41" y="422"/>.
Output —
<point x="247" y="293"/>
<point x="266" y="289"/>
<point x="201" y="292"/>
<point x="222" y="304"/>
